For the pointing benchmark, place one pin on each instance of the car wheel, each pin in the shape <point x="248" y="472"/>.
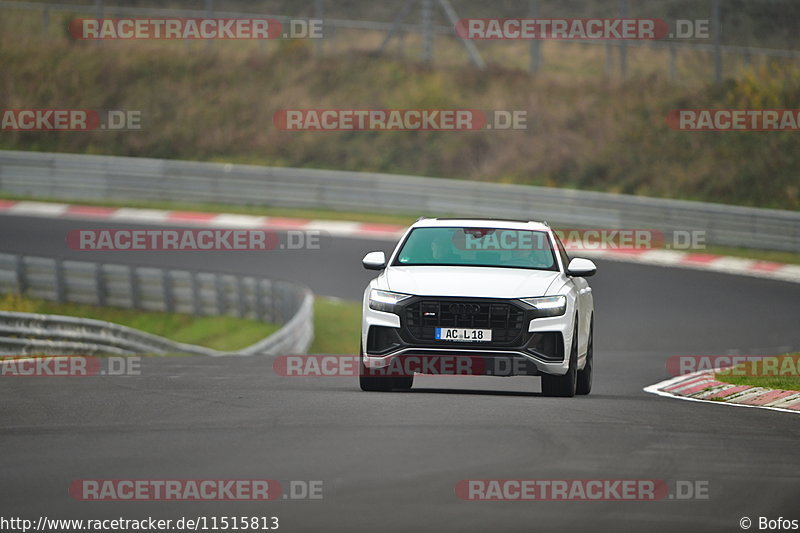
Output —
<point x="564" y="386"/>
<point x="380" y="383"/>
<point x="584" y="385"/>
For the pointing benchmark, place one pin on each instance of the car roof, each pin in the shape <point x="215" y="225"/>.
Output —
<point x="503" y="223"/>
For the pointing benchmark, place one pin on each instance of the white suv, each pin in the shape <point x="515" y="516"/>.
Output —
<point x="488" y="297"/>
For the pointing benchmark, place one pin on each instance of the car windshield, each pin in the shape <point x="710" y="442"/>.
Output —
<point x="477" y="247"/>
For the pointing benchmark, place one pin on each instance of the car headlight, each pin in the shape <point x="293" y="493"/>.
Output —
<point x="385" y="300"/>
<point x="547" y="305"/>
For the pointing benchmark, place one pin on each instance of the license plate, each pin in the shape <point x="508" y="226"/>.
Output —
<point x="463" y="335"/>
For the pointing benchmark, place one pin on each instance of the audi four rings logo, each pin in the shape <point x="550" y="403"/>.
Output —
<point x="464" y="309"/>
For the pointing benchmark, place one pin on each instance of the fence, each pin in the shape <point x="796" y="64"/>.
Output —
<point x="148" y="289"/>
<point x="738" y="33"/>
<point x="82" y="177"/>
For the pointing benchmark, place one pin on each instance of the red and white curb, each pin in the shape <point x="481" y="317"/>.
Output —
<point x="191" y="218"/>
<point x="366" y="230"/>
<point x="702" y="261"/>
<point x="703" y="387"/>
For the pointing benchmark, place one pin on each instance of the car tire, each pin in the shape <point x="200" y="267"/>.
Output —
<point x="380" y="383"/>
<point x="564" y="386"/>
<point x="584" y="385"/>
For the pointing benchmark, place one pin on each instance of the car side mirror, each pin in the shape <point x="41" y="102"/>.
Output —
<point x="374" y="261"/>
<point x="581" y="268"/>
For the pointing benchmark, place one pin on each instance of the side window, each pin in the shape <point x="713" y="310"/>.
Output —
<point x="561" y="251"/>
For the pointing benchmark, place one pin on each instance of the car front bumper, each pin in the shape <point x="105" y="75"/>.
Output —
<point x="539" y="345"/>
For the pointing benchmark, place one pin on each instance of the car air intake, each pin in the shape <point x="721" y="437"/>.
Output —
<point x="504" y="319"/>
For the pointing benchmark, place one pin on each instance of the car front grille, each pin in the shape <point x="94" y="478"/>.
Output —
<point x="422" y="317"/>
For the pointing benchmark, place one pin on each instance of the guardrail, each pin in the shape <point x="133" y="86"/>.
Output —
<point x="29" y="333"/>
<point x="82" y="177"/>
<point x="144" y="288"/>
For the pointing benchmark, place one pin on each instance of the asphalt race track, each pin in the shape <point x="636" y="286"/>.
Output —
<point x="390" y="462"/>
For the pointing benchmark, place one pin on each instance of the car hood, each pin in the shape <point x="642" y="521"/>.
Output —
<point x="479" y="282"/>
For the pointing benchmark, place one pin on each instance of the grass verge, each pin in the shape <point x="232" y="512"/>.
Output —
<point x="775" y="256"/>
<point x="223" y="333"/>
<point x="781" y="372"/>
<point x="337" y="324"/>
